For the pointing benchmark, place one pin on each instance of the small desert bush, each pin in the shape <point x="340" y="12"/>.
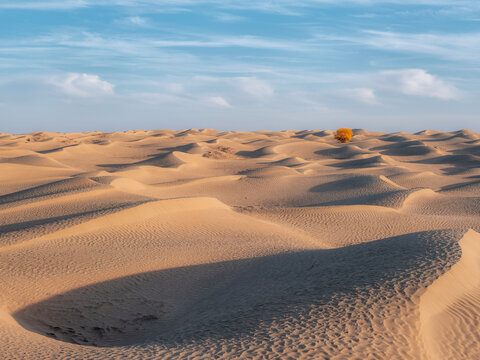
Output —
<point x="344" y="135"/>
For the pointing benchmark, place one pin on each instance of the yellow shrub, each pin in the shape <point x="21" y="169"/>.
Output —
<point x="343" y="135"/>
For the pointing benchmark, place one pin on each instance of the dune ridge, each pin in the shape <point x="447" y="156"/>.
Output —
<point x="201" y="244"/>
<point x="449" y="306"/>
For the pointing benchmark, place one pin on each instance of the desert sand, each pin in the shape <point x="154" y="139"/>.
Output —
<point x="201" y="244"/>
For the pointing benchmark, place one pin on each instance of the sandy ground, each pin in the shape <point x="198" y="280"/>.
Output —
<point x="201" y="244"/>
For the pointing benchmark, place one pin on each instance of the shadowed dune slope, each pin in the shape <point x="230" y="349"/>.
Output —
<point x="201" y="244"/>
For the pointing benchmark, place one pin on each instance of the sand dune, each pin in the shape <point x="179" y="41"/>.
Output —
<point x="228" y="245"/>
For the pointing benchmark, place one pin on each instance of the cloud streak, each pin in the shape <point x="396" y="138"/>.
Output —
<point x="279" y="6"/>
<point x="254" y="86"/>
<point x="364" y="95"/>
<point x="253" y="42"/>
<point x="459" y="46"/>
<point x="219" y="101"/>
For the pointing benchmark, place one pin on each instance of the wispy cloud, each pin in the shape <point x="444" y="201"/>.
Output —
<point x="453" y="46"/>
<point x="146" y="47"/>
<point x="44" y="5"/>
<point x="82" y="85"/>
<point x="239" y="86"/>
<point x="120" y="53"/>
<point x="254" y="42"/>
<point x="136" y="21"/>
<point x="227" y="17"/>
<point x="279" y="6"/>
<point x="218" y="101"/>
<point x="364" y="95"/>
<point x="254" y="86"/>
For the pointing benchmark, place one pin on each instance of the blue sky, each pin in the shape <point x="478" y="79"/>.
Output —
<point x="391" y="65"/>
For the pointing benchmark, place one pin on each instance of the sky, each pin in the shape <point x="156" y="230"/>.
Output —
<point x="381" y="65"/>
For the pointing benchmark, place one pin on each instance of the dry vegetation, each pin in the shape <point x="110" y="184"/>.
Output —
<point x="344" y="135"/>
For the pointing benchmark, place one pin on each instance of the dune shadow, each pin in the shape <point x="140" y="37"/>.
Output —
<point x="69" y="185"/>
<point x="258" y="153"/>
<point x="406" y="148"/>
<point x="394" y="138"/>
<point x="375" y="161"/>
<point x="467" y="186"/>
<point x="183" y="148"/>
<point x="49" y="151"/>
<point x="347" y="183"/>
<point x="466" y="160"/>
<point x="393" y="199"/>
<point x="308" y="133"/>
<point x="461" y="134"/>
<point x="470" y="150"/>
<point x="164" y="160"/>
<point x="458" y="163"/>
<point x="236" y="298"/>
<point x="45" y="225"/>
<point x="346" y="152"/>
<point x="351" y="191"/>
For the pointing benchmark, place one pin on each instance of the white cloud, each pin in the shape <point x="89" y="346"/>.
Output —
<point x="253" y="86"/>
<point x="218" y="101"/>
<point x="417" y="82"/>
<point x="137" y="21"/>
<point x="365" y="95"/>
<point x="82" y="85"/>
